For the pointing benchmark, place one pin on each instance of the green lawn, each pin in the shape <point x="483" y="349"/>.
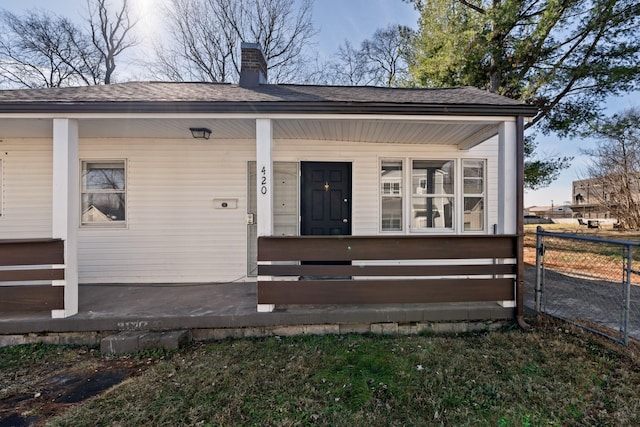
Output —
<point x="548" y="376"/>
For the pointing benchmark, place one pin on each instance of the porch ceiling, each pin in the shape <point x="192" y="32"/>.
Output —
<point x="463" y="132"/>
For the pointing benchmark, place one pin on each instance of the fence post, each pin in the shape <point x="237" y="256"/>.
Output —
<point x="539" y="253"/>
<point x="627" y="303"/>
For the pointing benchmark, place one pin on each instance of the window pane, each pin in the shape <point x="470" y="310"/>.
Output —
<point x="103" y="176"/>
<point x="473" y="186"/>
<point x="392" y="214"/>
<point x="432" y="212"/>
<point x="391" y="177"/>
<point x="474" y="168"/>
<point x="473" y="177"/>
<point x="432" y="177"/>
<point x="103" y="207"/>
<point x="474" y="213"/>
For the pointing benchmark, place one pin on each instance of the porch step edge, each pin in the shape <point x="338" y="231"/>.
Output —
<point x="131" y="342"/>
<point x="134" y="341"/>
<point x="381" y="328"/>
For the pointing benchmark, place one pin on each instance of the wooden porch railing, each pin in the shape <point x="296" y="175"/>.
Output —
<point x="393" y="283"/>
<point x="31" y="260"/>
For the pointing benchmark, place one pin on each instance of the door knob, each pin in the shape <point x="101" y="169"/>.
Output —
<point x="345" y="220"/>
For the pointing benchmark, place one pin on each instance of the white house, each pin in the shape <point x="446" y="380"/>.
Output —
<point x="114" y="176"/>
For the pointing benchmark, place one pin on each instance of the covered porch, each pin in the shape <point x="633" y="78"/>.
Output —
<point x="456" y="133"/>
<point x="479" y="285"/>
<point x="186" y="218"/>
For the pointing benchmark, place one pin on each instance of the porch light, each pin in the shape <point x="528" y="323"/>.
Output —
<point x="200" y="133"/>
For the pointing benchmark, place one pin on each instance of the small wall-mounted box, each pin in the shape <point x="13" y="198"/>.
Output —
<point x="225" y="203"/>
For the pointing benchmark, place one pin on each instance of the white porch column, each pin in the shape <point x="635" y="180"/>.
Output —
<point x="264" y="182"/>
<point x="507" y="178"/>
<point x="66" y="208"/>
<point x="507" y="184"/>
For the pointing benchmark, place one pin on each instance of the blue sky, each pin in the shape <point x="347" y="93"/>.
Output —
<point x="336" y="20"/>
<point x="357" y="20"/>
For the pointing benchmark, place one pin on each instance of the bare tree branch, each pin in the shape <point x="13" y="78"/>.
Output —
<point x="379" y="61"/>
<point x="205" y="37"/>
<point x="43" y="50"/>
<point x="110" y="35"/>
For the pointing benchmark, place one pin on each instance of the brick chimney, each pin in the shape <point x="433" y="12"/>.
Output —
<point x="253" y="65"/>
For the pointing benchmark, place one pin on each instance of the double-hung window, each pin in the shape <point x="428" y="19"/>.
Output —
<point x="474" y="194"/>
<point x="104" y="193"/>
<point x="391" y="195"/>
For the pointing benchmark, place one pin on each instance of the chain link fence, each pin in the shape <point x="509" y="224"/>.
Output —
<point x="589" y="281"/>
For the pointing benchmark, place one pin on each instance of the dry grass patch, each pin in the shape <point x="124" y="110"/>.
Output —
<point x="552" y="375"/>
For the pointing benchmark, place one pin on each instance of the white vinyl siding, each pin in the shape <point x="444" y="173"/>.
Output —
<point x="489" y="151"/>
<point x="174" y="232"/>
<point x="27" y="172"/>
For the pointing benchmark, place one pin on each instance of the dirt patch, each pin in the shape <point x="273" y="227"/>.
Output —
<point x="589" y="265"/>
<point x="35" y="395"/>
<point x="79" y="388"/>
<point x="17" y="420"/>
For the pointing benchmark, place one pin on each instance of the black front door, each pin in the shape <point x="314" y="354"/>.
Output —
<point x="326" y="199"/>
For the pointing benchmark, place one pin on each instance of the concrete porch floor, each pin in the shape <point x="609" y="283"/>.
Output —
<point x="116" y="307"/>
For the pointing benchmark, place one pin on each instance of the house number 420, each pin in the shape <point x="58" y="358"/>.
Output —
<point x="263" y="180"/>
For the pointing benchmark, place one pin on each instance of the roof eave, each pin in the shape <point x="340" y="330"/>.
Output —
<point x="332" y="107"/>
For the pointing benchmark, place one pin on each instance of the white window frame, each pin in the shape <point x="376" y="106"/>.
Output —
<point x="83" y="191"/>
<point x="406" y="193"/>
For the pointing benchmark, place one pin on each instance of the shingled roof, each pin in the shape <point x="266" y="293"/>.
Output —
<point x="145" y="97"/>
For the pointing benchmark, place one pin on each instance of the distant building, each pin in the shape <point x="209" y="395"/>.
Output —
<point x="587" y="199"/>
<point x="560" y="211"/>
